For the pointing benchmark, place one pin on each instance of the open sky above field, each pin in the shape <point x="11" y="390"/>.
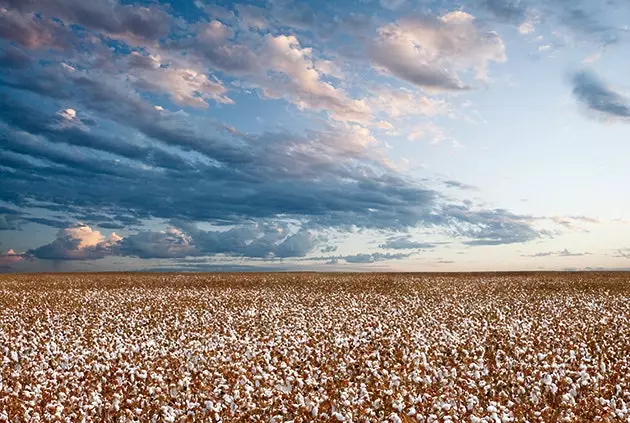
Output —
<point x="286" y="134"/>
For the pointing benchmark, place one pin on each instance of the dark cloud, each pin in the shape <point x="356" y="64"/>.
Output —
<point x="13" y="57"/>
<point x="110" y="17"/>
<point x="34" y="122"/>
<point x="111" y="225"/>
<point x="54" y="223"/>
<point x="171" y="243"/>
<point x="9" y="222"/>
<point x="9" y="210"/>
<point x="403" y="243"/>
<point x="32" y="31"/>
<point x="218" y="51"/>
<point x="270" y="162"/>
<point x="589" y="90"/>
<point x="214" y="267"/>
<point x="183" y="239"/>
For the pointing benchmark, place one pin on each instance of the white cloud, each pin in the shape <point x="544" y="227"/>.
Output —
<point x="402" y="102"/>
<point x="433" y="53"/>
<point x="79" y="242"/>
<point x="68" y="114"/>
<point x="10" y="257"/>
<point x="67" y="118"/>
<point x="432" y="132"/>
<point x="302" y="84"/>
<point x="526" y="28"/>
<point x="215" y="31"/>
<point x="186" y="86"/>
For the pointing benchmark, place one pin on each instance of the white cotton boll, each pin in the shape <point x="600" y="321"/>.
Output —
<point x="340" y="417"/>
<point x="395" y="418"/>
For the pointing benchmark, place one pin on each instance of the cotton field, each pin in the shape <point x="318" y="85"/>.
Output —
<point x="315" y="347"/>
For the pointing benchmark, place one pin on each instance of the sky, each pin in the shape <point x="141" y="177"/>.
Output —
<point x="398" y="135"/>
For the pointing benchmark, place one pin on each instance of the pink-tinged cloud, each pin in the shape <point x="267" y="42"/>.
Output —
<point x="80" y="242"/>
<point x="10" y="257"/>
<point x="434" y="53"/>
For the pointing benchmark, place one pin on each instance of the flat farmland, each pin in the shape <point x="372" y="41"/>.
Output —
<point x="253" y="347"/>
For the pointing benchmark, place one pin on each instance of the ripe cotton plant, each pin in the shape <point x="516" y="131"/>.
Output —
<point x="306" y="347"/>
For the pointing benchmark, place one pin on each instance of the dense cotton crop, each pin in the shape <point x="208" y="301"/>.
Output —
<point x="312" y="347"/>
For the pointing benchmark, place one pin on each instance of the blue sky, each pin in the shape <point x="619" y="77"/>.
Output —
<point x="285" y="135"/>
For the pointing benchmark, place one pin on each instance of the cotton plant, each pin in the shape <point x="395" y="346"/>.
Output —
<point x="303" y="348"/>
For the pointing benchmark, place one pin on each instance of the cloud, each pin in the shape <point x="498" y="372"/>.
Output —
<point x="108" y="141"/>
<point x="277" y="66"/>
<point x="279" y="166"/>
<point x="296" y="245"/>
<point x="304" y="86"/>
<point x="8" y="222"/>
<point x="186" y="87"/>
<point x="562" y="253"/>
<point x="587" y="24"/>
<point x="579" y="20"/>
<point x="399" y="103"/>
<point x="329" y="249"/>
<point x="10" y="257"/>
<point x="573" y="222"/>
<point x="184" y="239"/>
<point x="252" y="17"/>
<point x="169" y="243"/>
<point x="109" y="17"/>
<point x="432" y="53"/>
<point x="507" y="10"/>
<point x="32" y="31"/>
<point x="213" y="43"/>
<point x="14" y="57"/>
<point x="373" y="257"/>
<point x="262" y="240"/>
<point x="489" y="227"/>
<point x="590" y="91"/>
<point x="296" y="14"/>
<point x="431" y="132"/>
<point x="403" y="243"/>
<point x="79" y="242"/>
<point x="392" y="4"/>
<point x="459" y="185"/>
<point x="623" y="253"/>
